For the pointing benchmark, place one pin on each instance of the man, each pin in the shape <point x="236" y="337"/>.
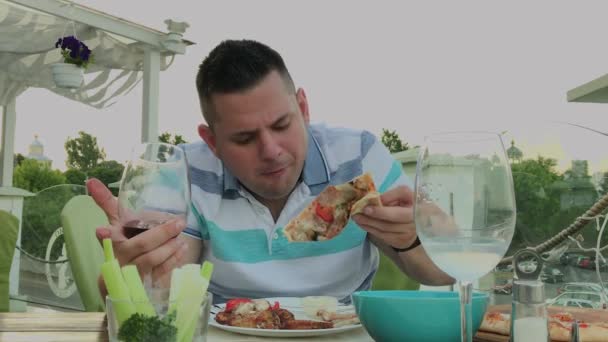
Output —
<point x="260" y="164"/>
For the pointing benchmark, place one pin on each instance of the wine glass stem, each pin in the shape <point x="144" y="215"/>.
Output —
<point x="465" y="289"/>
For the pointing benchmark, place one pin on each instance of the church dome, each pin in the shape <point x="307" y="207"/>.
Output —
<point x="36" y="150"/>
<point x="514" y="153"/>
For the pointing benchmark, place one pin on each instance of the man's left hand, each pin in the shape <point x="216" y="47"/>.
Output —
<point x="393" y="223"/>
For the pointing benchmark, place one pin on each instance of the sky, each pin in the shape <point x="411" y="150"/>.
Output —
<point x="417" y="67"/>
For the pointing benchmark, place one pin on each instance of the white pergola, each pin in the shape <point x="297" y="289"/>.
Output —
<point x="125" y="53"/>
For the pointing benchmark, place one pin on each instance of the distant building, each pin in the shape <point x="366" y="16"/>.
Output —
<point x="577" y="189"/>
<point x="580" y="169"/>
<point x="461" y="173"/>
<point x="36" y="152"/>
<point x="515" y="155"/>
<point x="408" y="159"/>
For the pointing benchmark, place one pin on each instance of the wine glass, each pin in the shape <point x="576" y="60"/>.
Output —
<point x="155" y="188"/>
<point x="464" y="208"/>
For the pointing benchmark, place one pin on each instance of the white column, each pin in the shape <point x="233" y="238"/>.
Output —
<point x="149" y="118"/>
<point x="9" y="121"/>
<point x="11" y="200"/>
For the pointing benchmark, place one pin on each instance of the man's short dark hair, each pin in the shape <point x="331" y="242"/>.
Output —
<point x="236" y="66"/>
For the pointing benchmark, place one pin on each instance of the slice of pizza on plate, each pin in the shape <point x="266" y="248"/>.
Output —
<point x="326" y="216"/>
<point x="559" y="324"/>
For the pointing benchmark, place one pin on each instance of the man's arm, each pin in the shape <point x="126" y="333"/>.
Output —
<point x="392" y="225"/>
<point x="416" y="264"/>
<point x="155" y="252"/>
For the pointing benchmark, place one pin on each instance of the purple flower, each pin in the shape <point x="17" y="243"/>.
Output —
<point x="85" y="53"/>
<point x="74" y="51"/>
<point x="71" y="43"/>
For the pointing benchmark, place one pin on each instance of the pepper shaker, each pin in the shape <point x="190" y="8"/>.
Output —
<point x="529" y="319"/>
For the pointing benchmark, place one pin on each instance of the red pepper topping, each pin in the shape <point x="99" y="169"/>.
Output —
<point x="276" y="306"/>
<point x="325" y="213"/>
<point x="234" y="303"/>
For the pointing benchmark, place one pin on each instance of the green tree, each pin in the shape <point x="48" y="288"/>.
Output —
<point x="34" y="176"/>
<point x="75" y="176"/>
<point x="565" y="217"/>
<point x="168" y="139"/>
<point x="578" y="194"/>
<point x="108" y="172"/>
<point x="537" y="201"/>
<point x="18" y="159"/>
<point x="391" y="140"/>
<point x="42" y="216"/>
<point x="83" y="152"/>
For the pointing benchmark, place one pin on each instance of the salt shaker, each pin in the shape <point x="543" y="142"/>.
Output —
<point x="529" y="319"/>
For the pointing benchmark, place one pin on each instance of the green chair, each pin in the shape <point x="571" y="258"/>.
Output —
<point x="79" y="218"/>
<point x="390" y="277"/>
<point x="9" y="227"/>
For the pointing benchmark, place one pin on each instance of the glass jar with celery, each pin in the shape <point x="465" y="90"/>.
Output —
<point x="177" y="314"/>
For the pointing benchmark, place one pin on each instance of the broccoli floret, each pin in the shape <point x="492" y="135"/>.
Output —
<point x="140" y="328"/>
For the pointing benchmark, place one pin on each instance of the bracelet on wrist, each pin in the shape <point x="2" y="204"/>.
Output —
<point x="414" y="244"/>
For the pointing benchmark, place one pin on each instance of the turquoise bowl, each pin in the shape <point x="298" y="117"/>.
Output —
<point x="418" y="316"/>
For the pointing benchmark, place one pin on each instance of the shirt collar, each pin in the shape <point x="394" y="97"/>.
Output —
<point x="230" y="182"/>
<point x="315" y="170"/>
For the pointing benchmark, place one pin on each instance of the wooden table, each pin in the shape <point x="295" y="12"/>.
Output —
<point x="587" y="315"/>
<point x="91" y="326"/>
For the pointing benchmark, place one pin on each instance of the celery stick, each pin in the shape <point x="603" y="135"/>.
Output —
<point x="115" y="284"/>
<point x="206" y="270"/>
<point x="176" y="280"/>
<point x="137" y="291"/>
<point x="190" y="299"/>
<point x="192" y="294"/>
<point x="108" y="250"/>
<point x="185" y="332"/>
<point x="190" y="267"/>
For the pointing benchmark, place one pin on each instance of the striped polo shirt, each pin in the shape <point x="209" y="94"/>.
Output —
<point x="252" y="256"/>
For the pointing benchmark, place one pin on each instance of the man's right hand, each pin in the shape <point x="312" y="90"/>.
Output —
<point x="155" y="252"/>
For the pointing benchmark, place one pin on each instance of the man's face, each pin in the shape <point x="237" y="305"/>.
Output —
<point x="261" y="136"/>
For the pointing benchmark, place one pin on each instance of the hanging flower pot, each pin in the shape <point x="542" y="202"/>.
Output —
<point x="76" y="57"/>
<point x="67" y="75"/>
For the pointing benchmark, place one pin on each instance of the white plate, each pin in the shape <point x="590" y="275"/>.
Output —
<point x="292" y="304"/>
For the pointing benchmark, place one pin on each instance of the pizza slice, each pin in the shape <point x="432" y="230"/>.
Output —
<point x="560" y="327"/>
<point x="371" y="199"/>
<point x="496" y="322"/>
<point x="326" y="216"/>
<point x="593" y="332"/>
